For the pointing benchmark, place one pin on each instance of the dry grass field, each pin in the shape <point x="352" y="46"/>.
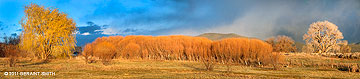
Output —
<point x="159" y="39"/>
<point x="302" y="66"/>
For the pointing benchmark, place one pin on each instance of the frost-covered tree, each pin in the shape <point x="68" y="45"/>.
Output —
<point x="322" y="36"/>
<point x="342" y="47"/>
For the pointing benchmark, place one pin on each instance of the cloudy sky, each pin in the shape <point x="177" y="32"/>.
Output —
<point x="252" y="18"/>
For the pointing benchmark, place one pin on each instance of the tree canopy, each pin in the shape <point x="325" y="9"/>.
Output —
<point x="47" y="32"/>
<point x="323" y="36"/>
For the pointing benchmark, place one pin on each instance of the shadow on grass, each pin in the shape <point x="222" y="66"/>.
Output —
<point x="36" y="63"/>
<point x="203" y="69"/>
<point x="283" y="75"/>
<point x="193" y="67"/>
<point x="325" y="69"/>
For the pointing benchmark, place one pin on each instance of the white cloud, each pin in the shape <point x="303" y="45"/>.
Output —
<point x="76" y="32"/>
<point x="86" y="33"/>
<point x="109" y="31"/>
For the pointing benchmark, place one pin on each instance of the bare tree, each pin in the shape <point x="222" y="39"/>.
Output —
<point x="307" y="48"/>
<point x="323" y="36"/>
<point x="342" y="47"/>
<point x="282" y="43"/>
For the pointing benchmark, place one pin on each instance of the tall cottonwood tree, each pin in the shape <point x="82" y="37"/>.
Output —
<point x="323" y="36"/>
<point x="47" y="32"/>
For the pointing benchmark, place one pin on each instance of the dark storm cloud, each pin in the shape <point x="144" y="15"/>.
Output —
<point x="91" y="28"/>
<point x="152" y="16"/>
<point x="268" y="18"/>
<point x="253" y="18"/>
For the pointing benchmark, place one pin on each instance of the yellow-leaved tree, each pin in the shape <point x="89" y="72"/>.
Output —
<point x="47" y="32"/>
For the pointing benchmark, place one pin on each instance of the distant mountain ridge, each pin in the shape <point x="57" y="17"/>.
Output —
<point x="219" y="36"/>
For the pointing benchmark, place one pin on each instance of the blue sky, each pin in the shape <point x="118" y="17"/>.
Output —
<point x="253" y="18"/>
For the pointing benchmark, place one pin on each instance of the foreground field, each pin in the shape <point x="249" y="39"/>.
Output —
<point x="76" y="68"/>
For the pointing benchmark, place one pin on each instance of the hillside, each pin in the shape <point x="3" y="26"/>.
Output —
<point x="219" y="36"/>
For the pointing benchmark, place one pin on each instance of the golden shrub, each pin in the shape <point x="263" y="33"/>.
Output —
<point x="178" y="47"/>
<point x="105" y="51"/>
<point x="242" y="50"/>
<point x="88" y="52"/>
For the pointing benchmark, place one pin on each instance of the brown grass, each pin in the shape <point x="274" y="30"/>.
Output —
<point x="164" y="69"/>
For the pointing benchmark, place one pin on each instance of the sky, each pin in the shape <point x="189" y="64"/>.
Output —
<point x="253" y="18"/>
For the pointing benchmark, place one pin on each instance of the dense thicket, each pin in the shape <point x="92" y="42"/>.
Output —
<point x="103" y="48"/>
<point x="242" y="50"/>
<point x="178" y="47"/>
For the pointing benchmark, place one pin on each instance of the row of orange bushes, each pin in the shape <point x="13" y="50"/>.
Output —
<point x="240" y="50"/>
<point x="244" y="50"/>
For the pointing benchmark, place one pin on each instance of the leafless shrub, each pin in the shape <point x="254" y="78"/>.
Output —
<point x="354" y="68"/>
<point x="282" y="44"/>
<point x="11" y="50"/>
<point x="88" y="53"/>
<point x="12" y="53"/>
<point x="228" y="64"/>
<point x="275" y="60"/>
<point x="209" y="63"/>
<point x="307" y="48"/>
<point x="342" y="47"/>
<point x="349" y="67"/>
